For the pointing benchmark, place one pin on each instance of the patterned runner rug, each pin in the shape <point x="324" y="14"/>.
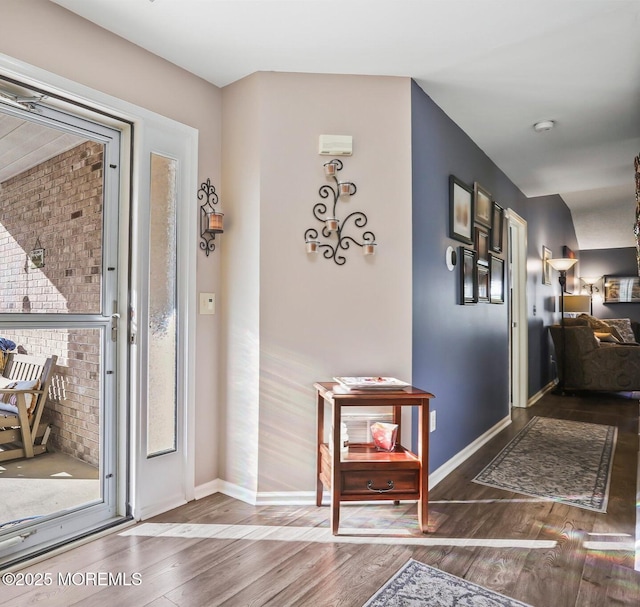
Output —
<point x="561" y="460"/>
<point x="419" y="585"/>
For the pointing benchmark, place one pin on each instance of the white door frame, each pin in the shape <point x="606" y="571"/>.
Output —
<point x="176" y="468"/>
<point x="518" y="322"/>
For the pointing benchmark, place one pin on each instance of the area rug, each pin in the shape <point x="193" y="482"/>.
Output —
<point x="561" y="460"/>
<point x="419" y="585"/>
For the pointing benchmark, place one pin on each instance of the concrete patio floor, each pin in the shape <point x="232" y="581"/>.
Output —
<point x="45" y="484"/>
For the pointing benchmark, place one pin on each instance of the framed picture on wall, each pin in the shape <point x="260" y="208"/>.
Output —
<point x="546" y="268"/>
<point x="482" y="244"/>
<point x="460" y="210"/>
<point x="482" y="199"/>
<point x="496" y="230"/>
<point x="483" y="283"/>
<point x="468" y="276"/>
<point x="496" y="268"/>
<point x="621" y="289"/>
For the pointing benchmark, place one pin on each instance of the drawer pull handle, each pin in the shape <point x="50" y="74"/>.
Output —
<point x="389" y="484"/>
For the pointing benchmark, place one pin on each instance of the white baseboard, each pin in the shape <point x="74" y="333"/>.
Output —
<point x="268" y="498"/>
<point x="207" y="489"/>
<point x="226" y="488"/>
<point x="286" y="498"/>
<point x="265" y="498"/>
<point x="237" y="492"/>
<point x="438" y="475"/>
<point x="308" y="498"/>
<point x="538" y="395"/>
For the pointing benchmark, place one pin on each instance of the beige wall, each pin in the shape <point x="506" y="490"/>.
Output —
<point x="288" y="319"/>
<point x="312" y="319"/>
<point x="240" y="301"/>
<point x="47" y="36"/>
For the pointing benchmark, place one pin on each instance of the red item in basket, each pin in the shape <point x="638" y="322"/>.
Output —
<point x="384" y="435"/>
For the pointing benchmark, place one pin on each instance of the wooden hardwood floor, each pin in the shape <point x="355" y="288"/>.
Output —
<point x="219" y="551"/>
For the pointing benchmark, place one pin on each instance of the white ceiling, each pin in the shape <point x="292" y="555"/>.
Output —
<point x="494" y="66"/>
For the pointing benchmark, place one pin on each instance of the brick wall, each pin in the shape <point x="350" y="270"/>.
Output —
<point x="57" y="206"/>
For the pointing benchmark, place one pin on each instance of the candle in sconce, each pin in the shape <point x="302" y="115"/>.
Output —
<point x="330" y="169"/>
<point x="215" y="222"/>
<point x="331" y="223"/>
<point x="345" y="188"/>
<point x="369" y="248"/>
<point x="312" y="246"/>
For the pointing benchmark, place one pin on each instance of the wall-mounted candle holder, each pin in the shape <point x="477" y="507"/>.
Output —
<point x="211" y="221"/>
<point x="333" y="225"/>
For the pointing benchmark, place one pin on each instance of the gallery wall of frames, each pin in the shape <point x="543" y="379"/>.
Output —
<point x="477" y="220"/>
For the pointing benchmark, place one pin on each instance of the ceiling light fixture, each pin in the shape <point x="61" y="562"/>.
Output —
<point x="543" y="125"/>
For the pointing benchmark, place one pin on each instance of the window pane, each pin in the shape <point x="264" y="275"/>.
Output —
<point x="67" y="475"/>
<point x="161" y="423"/>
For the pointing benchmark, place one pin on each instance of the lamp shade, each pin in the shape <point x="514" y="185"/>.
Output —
<point x="577" y="303"/>
<point x="590" y="280"/>
<point x="562" y="264"/>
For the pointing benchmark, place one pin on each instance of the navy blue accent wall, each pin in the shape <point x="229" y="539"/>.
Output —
<point x="614" y="262"/>
<point x="460" y="352"/>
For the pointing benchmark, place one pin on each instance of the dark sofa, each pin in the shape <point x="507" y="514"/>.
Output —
<point x="606" y="364"/>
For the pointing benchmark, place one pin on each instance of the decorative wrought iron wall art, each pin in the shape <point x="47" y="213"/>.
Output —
<point x="334" y="228"/>
<point x="210" y="219"/>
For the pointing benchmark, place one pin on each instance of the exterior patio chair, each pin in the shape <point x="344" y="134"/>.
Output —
<point x="24" y="388"/>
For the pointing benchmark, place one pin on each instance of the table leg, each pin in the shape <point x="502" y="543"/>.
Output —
<point x="423" y="454"/>
<point x="319" y="441"/>
<point x="335" y="468"/>
<point x="397" y="419"/>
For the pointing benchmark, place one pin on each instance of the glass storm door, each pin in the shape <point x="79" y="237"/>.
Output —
<point x="59" y="273"/>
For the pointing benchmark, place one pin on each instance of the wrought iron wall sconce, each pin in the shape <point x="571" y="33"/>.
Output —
<point x="211" y="221"/>
<point x="333" y="225"/>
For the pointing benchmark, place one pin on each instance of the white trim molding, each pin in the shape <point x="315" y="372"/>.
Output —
<point x="540" y="393"/>
<point x="207" y="489"/>
<point x="308" y="498"/>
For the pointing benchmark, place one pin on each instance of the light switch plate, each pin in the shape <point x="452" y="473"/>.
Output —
<point x="207" y="303"/>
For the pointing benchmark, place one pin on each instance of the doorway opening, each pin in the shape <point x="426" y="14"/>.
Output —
<point x="518" y="324"/>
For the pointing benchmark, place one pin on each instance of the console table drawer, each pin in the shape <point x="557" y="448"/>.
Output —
<point x="376" y="484"/>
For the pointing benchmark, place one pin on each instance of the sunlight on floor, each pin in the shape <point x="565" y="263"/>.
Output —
<point x="322" y="535"/>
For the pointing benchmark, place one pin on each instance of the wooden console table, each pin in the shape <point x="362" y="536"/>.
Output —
<point x="364" y="473"/>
